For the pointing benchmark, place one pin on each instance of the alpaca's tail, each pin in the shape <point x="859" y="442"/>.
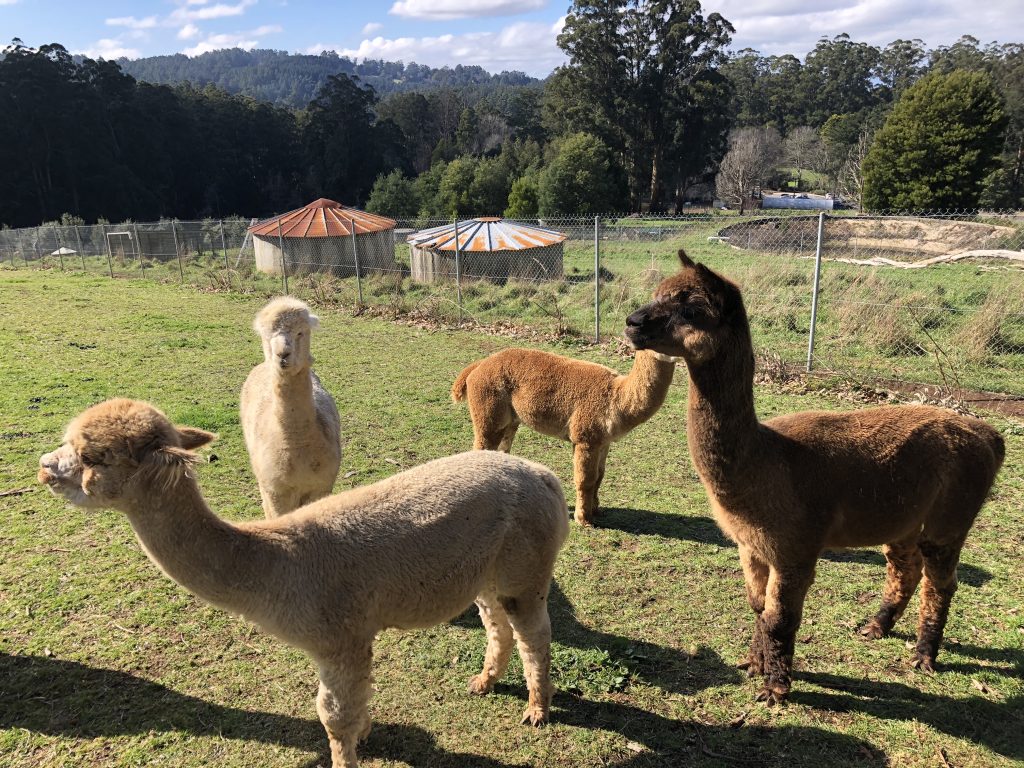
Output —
<point x="459" y="387"/>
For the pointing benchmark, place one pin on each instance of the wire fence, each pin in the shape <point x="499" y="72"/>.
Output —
<point x="934" y="298"/>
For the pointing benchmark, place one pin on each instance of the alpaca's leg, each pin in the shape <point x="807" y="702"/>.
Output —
<point x="902" y="574"/>
<point x="274" y="504"/>
<point x="586" y="469"/>
<point x="508" y="436"/>
<point x="499" y="644"/>
<point x="937" y="591"/>
<point x="783" y="607"/>
<point x="342" y="703"/>
<point x="600" y="467"/>
<point x="532" y="627"/>
<point x="755" y="577"/>
<point x="491" y="415"/>
<point x="488" y="433"/>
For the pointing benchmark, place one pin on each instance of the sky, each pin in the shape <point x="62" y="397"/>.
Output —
<point x="495" y="34"/>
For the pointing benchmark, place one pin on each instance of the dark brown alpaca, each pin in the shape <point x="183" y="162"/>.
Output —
<point x="911" y="478"/>
<point x="587" y="404"/>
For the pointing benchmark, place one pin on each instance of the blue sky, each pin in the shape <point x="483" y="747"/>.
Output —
<point x="495" y="34"/>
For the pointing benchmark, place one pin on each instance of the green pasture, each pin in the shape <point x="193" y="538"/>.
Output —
<point x="106" y="662"/>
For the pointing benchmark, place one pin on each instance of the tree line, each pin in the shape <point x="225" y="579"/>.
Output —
<point x="651" y="110"/>
<point x="293" y="79"/>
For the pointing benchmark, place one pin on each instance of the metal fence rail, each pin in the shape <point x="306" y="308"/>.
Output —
<point x="932" y="297"/>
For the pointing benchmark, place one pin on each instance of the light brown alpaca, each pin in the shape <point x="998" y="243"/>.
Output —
<point x="910" y="477"/>
<point x="587" y="404"/>
<point x="290" y="422"/>
<point x="410" y="551"/>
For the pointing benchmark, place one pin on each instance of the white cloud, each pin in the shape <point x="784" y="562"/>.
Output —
<point x="244" y="40"/>
<point x="526" y="46"/>
<point x="188" y="32"/>
<point x="795" y="26"/>
<point x="108" y="49"/>
<point x="372" y="27"/>
<point x="8" y="2"/>
<point x="205" y="12"/>
<point x="266" y="29"/>
<point x="131" y="22"/>
<point x="463" y="9"/>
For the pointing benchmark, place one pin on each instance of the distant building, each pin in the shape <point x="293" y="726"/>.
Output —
<point x="489" y="248"/>
<point x="798" y="200"/>
<point x="325" y="236"/>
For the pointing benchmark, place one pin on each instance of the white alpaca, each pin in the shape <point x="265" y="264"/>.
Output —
<point x="290" y="422"/>
<point x="410" y="551"/>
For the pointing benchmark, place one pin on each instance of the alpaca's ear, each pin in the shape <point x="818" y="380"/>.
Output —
<point x="167" y="464"/>
<point x="728" y="294"/>
<point x="685" y="260"/>
<point x="193" y="437"/>
<point x="314" y="321"/>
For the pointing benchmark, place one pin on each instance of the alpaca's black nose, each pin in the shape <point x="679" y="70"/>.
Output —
<point x="636" y="319"/>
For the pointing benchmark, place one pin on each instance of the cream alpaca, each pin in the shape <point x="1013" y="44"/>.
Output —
<point x="410" y="551"/>
<point x="587" y="404"/>
<point x="290" y="422"/>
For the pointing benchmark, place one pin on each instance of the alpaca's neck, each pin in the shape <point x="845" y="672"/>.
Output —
<point x="216" y="561"/>
<point x="642" y="392"/>
<point x="293" y="401"/>
<point x="722" y="427"/>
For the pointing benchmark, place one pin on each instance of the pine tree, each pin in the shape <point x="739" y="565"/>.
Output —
<point x="940" y="141"/>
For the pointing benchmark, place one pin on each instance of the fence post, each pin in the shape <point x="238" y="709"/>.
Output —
<point x="177" y="252"/>
<point x="81" y="253"/>
<point x="597" y="279"/>
<point x="35" y="247"/>
<point x="110" y="254"/>
<point x="814" y="295"/>
<point x="355" y="256"/>
<point x="224" y="246"/>
<point x="138" y="246"/>
<point x="458" y="268"/>
<point x="284" y="256"/>
<point x="56" y="237"/>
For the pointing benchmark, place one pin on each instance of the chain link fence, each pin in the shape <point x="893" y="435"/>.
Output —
<point x="934" y="298"/>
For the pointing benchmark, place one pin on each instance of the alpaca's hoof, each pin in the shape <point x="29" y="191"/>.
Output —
<point x="535" y="716"/>
<point x="774" y="692"/>
<point x="923" y="662"/>
<point x="587" y="521"/>
<point x="479" y="685"/>
<point x="872" y="631"/>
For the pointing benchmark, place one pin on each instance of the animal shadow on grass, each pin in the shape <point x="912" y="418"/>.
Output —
<point x="705" y="531"/>
<point x="66" y="698"/>
<point x="672" y="670"/>
<point x="998" y="725"/>
<point x="670" y="743"/>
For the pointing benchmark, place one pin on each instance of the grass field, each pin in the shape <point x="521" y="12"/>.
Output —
<point x="104" y="661"/>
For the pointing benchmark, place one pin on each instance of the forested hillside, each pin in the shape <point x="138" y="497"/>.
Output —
<point x="651" y="110"/>
<point x="293" y="79"/>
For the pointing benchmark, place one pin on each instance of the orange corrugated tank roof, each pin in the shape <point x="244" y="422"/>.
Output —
<point x="486" y="233"/>
<point x="322" y="218"/>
